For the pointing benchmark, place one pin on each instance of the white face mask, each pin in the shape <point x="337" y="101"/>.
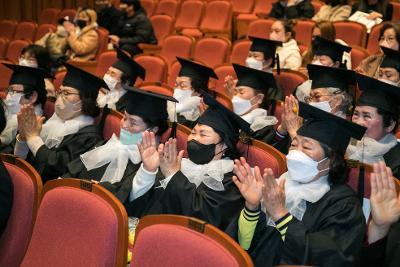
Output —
<point x="254" y="63"/>
<point x="26" y="63"/>
<point x="323" y="105"/>
<point x="389" y="82"/>
<point x="12" y="102"/>
<point x="302" y="168"/>
<point x="110" y="81"/>
<point x="240" y="105"/>
<point x="182" y="95"/>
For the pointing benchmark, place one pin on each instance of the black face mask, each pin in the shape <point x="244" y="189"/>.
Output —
<point x="200" y="153"/>
<point x="81" y="23"/>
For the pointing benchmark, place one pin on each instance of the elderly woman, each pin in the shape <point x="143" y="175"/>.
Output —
<point x="69" y="133"/>
<point x="200" y="185"/>
<point x="377" y="109"/>
<point x="192" y="78"/>
<point x="83" y="39"/>
<point x="114" y="162"/>
<point x="310" y="216"/>
<point x="389" y="70"/>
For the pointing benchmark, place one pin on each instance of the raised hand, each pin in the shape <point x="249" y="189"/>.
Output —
<point x="170" y="158"/>
<point x="274" y="195"/>
<point x="230" y="86"/>
<point x="291" y="122"/>
<point x="29" y="124"/>
<point x="249" y="184"/>
<point x="148" y="152"/>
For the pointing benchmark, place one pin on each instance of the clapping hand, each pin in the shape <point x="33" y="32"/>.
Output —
<point x="29" y="124"/>
<point x="148" y="152"/>
<point x="274" y="195"/>
<point x="170" y="159"/>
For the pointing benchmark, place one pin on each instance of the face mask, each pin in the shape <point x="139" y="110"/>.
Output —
<point x="317" y="62"/>
<point x="199" y="153"/>
<point x="323" y="105"/>
<point x="302" y="168"/>
<point x="240" y="105"/>
<point x="254" y="63"/>
<point x="389" y="82"/>
<point x="26" y="63"/>
<point x="128" y="138"/>
<point x="110" y="81"/>
<point x="12" y="102"/>
<point x="61" y="31"/>
<point x="66" y="110"/>
<point x="81" y="23"/>
<point x="182" y="95"/>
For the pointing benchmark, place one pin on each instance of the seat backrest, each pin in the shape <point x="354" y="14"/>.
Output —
<point x="27" y="192"/>
<point x="224" y="100"/>
<point x="59" y="78"/>
<point x="3" y="47"/>
<point x="49" y="107"/>
<point x="49" y="16"/>
<point x="176" y="46"/>
<point x="240" y="51"/>
<point x="222" y="72"/>
<point x="105" y="61"/>
<point x="156" y="68"/>
<point x="263" y="7"/>
<point x="317" y="5"/>
<point x="373" y="39"/>
<point x="44" y="29"/>
<point x="190" y="14"/>
<point x="25" y="30"/>
<point x="14" y="50"/>
<point x="217" y="16"/>
<point x="73" y="214"/>
<point x="303" y="48"/>
<point x="71" y="13"/>
<point x="112" y="124"/>
<point x="157" y="87"/>
<point x="260" y="28"/>
<point x="149" y="6"/>
<point x="7" y="29"/>
<point x="5" y="75"/>
<point x="167" y="7"/>
<point x="357" y="55"/>
<point x="240" y="6"/>
<point x="184" y="242"/>
<point x="353" y="33"/>
<point x="212" y="50"/>
<point x="288" y="80"/>
<point x="353" y="178"/>
<point x="396" y="11"/>
<point x="264" y="156"/>
<point x="173" y="72"/>
<point x="103" y="41"/>
<point x="303" y="29"/>
<point x="182" y="133"/>
<point x="163" y="26"/>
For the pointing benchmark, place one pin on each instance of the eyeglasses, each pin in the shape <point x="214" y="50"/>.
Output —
<point x="317" y="97"/>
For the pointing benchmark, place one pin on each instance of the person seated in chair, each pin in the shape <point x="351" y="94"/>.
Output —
<point x="389" y="69"/>
<point x="69" y="133"/>
<point x="114" y="163"/>
<point x="121" y="74"/>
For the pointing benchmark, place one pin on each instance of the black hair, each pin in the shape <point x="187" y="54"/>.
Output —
<point x="41" y="93"/>
<point x="89" y="105"/>
<point x="288" y="26"/>
<point x="125" y="78"/>
<point x="388" y="118"/>
<point x="337" y="165"/>
<point x="199" y="84"/>
<point x="162" y="125"/>
<point x="231" y="150"/>
<point x="390" y="25"/>
<point x="3" y="118"/>
<point x="334" y="3"/>
<point x="41" y="55"/>
<point x="381" y="6"/>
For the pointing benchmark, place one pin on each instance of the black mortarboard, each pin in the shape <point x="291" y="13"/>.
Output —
<point x="323" y="77"/>
<point x="129" y="66"/>
<point x="257" y="79"/>
<point x="147" y="105"/>
<point x="391" y="59"/>
<point x="225" y="122"/>
<point x="28" y="76"/>
<point x="378" y="94"/>
<point x="329" y="129"/>
<point x="194" y="70"/>
<point x="85" y="82"/>
<point x="266" y="46"/>
<point x="329" y="48"/>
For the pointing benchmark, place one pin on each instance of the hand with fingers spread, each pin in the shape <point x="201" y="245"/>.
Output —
<point x="291" y="122"/>
<point x="230" y="86"/>
<point x="28" y="123"/>
<point x="148" y="152"/>
<point x="249" y="184"/>
<point x="274" y="195"/>
<point x="170" y="159"/>
<point x="385" y="203"/>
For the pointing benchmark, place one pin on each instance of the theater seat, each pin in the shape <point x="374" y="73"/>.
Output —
<point x="243" y="7"/>
<point x="71" y="13"/>
<point x="79" y="223"/>
<point x="353" y="33"/>
<point x="156" y="68"/>
<point x="224" y="100"/>
<point x="217" y="20"/>
<point x="25" y="30"/>
<point x="112" y="124"/>
<point x="167" y="7"/>
<point x="27" y="193"/>
<point x="260" y="28"/>
<point x="261" y="10"/>
<point x="373" y="39"/>
<point x="357" y="54"/>
<point x="396" y="11"/>
<point x="14" y="50"/>
<point x="190" y="15"/>
<point x="5" y="75"/>
<point x="240" y="51"/>
<point x="157" y="87"/>
<point x="177" y="46"/>
<point x="303" y="29"/>
<point x="3" y="47"/>
<point x="103" y="41"/>
<point x="43" y="29"/>
<point x="7" y="29"/>
<point x="149" y="6"/>
<point x="49" y="16"/>
<point x="354" y="178"/>
<point x="317" y="5"/>
<point x="182" y="133"/>
<point x="212" y="50"/>
<point x="105" y="61"/>
<point x="222" y="72"/>
<point x="288" y="80"/>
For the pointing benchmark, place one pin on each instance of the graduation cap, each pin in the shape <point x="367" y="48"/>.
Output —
<point x="391" y="59"/>
<point x="323" y="77"/>
<point x="257" y="79"/>
<point x="329" y="48"/>
<point x="326" y="128"/>
<point x="85" y="82"/>
<point x="129" y="66"/>
<point x="378" y="94"/>
<point x="147" y="105"/>
<point x="268" y="47"/>
<point x="225" y="122"/>
<point x="194" y="70"/>
<point x="28" y="76"/>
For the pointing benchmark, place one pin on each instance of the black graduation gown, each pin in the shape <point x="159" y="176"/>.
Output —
<point x="121" y="189"/>
<point x="187" y="123"/>
<point x="6" y="196"/>
<point x="183" y="198"/>
<point x="266" y="134"/>
<point x="332" y="231"/>
<point x="392" y="159"/>
<point x="51" y="163"/>
<point x="121" y="103"/>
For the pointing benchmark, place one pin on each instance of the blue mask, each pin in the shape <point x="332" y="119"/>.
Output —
<point x="128" y="138"/>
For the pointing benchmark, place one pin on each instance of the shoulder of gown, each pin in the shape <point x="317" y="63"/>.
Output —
<point x="392" y="159"/>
